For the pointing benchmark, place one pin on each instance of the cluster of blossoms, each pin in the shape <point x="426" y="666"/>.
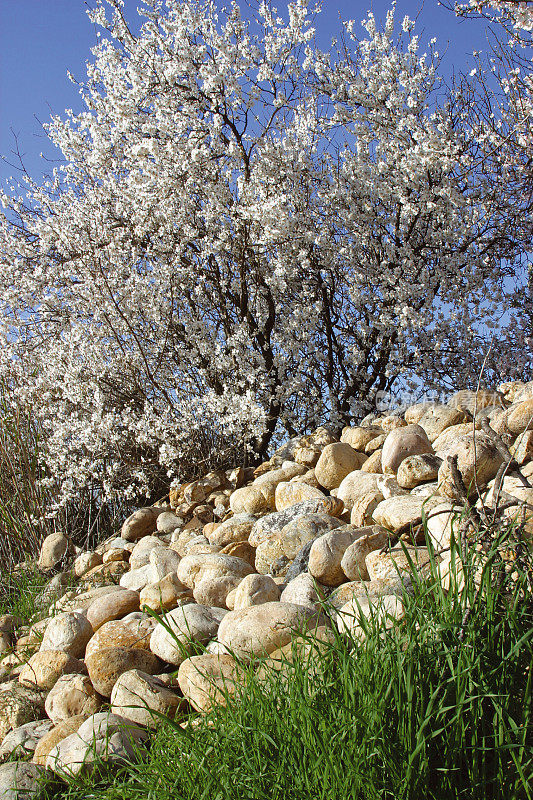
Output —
<point x="248" y="234"/>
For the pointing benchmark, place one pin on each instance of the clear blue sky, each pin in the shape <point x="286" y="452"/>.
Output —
<point x="41" y="39"/>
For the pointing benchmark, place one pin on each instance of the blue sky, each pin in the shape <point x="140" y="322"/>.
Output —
<point x="41" y="39"/>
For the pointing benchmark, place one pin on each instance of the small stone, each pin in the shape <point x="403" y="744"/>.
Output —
<point x="437" y="418"/>
<point x="112" y="606"/>
<point x="54" y="736"/>
<point x="522" y="449"/>
<point x="141" y="523"/>
<point x="22" y="741"/>
<point x="102" y="737"/>
<point x="243" y="550"/>
<point x="45" y="668"/>
<point x="259" y="630"/>
<point x="289" y="494"/>
<point x="69" y="631"/>
<point x="267" y="554"/>
<point x="133" y="633"/>
<point x="369" y="589"/>
<point x="478" y="461"/>
<point x="137" y="579"/>
<point x="396" y="562"/>
<point x="254" y="590"/>
<point x="72" y="696"/>
<point x="207" y="680"/>
<point x="363" y="508"/>
<point x="401" y="443"/>
<point x="168" y="522"/>
<point x="384" y="611"/>
<point x="450" y="435"/>
<point x="353" y="562"/>
<point x="106" y="666"/>
<point x="21" y="781"/>
<point x="236" y="529"/>
<point x="418" y="469"/>
<point x="165" y="594"/>
<point x="373" y="464"/>
<point x="359" y="437"/>
<point x="188" y="625"/>
<point x="86" y="562"/>
<point x="335" y="463"/>
<point x="303" y="529"/>
<point x="140" y="555"/>
<point x="54" y="549"/>
<point x="355" y="485"/>
<point x="163" y="561"/>
<point x="141" y="698"/>
<point x="18" y="705"/>
<point x="326" y="555"/>
<point x="303" y="591"/>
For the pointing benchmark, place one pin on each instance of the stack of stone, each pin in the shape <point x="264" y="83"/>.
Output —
<point x="231" y="569"/>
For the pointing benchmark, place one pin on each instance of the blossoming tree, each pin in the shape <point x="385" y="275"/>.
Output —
<point x="247" y="235"/>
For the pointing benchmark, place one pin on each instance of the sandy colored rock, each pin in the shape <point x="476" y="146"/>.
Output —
<point x="18" y="705"/>
<point x="253" y="499"/>
<point x="396" y="562"/>
<point x="478" y="461"/>
<point x="308" y="456"/>
<point x="163" y="561"/>
<point x="396" y="513"/>
<point x="303" y="529"/>
<point x="21" y="742"/>
<point x="140" y="555"/>
<point x="132" y="633"/>
<point x="72" y="696"/>
<point x="188" y="625"/>
<point x="418" y="469"/>
<point x="165" y="594"/>
<point x="358" y="438"/>
<point x="378" y="587"/>
<point x="137" y="579"/>
<point x="442" y="522"/>
<point x="193" y="567"/>
<point x="303" y="591"/>
<point x="102" y="737"/>
<point x="289" y="494"/>
<point x="207" y="680"/>
<point x="242" y="550"/>
<point x="353" y="562"/>
<point x="236" y="529"/>
<point x="21" y="781"/>
<point x="54" y="736"/>
<point x="106" y="666"/>
<point x="141" y="523"/>
<point x="112" y="606"/>
<point x="439" y="417"/>
<point x="254" y="590"/>
<point x="520" y="417"/>
<point x="85" y="562"/>
<point x="116" y="555"/>
<point x="54" y="549"/>
<point x="363" y="508"/>
<point x="450" y="435"/>
<point x="473" y="402"/>
<point x="522" y="449"/>
<point x="354" y="486"/>
<point x="416" y="412"/>
<point x="267" y="554"/>
<point x="335" y="463"/>
<point x="373" y="464"/>
<point x="259" y="630"/>
<point x="69" y="631"/>
<point x="401" y="443"/>
<point x="140" y="697"/>
<point x="385" y="611"/>
<point x="168" y="522"/>
<point x="45" y="667"/>
<point x="326" y="555"/>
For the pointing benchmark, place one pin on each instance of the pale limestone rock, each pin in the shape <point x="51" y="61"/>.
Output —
<point x="18" y="705"/>
<point x="85" y="562"/>
<point x="21" y="781"/>
<point x="236" y="529"/>
<point x="267" y="554"/>
<point x="520" y="417"/>
<point x="437" y="418"/>
<point x="401" y="443"/>
<point x="72" y="696"/>
<point x="373" y="464"/>
<point x="106" y="666"/>
<point x="141" y="698"/>
<point x="369" y="589"/>
<point x="385" y="611"/>
<point x="335" y="463"/>
<point x="54" y="549"/>
<point x="363" y="508"/>
<point x="102" y="737"/>
<point x="326" y="555"/>
<point x="69" y="631"/>
<point x="22" y="741"/>
<point x="56" y="735"/>
<point x="522" y="449"/>
<point x="353" y="562"/>
<point x="259" y="630"/>
<point x="478" y="461"/>
<point x="140" y="555"/>
<point x="112" y="606"/>
<point x="253" y="499"/>
<point x="272" y="524"/>
<point x="141" y="523"/>
<point x="168" y="522"/>
<point x="442" y="523"/>
<point x="163" y="561"/>
<point x="449" y="436"/>
<point x="254" y="590"/>
<point x="137" y="579"/>
<point x="188" y="625"/>
<point x="207" y="680"/>
<point x="45" y="667"/>
<point x="359" y="437"/>
<point x="131" y="633"/>
<point x="398" y="512"/>
<point x="303" y="529"/>
<point x="418" y="469"/>
<point x="473" y="402"/>
<point x="355" y="485"/>
<point x="165" y="594"/>
<point x="289" y="494"/>
<point x="396" y="562"/>
<point x="303" y="591"/>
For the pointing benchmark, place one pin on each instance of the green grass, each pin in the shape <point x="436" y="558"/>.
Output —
<point x="439" y="707"/>
<point x="19" y="591"/>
